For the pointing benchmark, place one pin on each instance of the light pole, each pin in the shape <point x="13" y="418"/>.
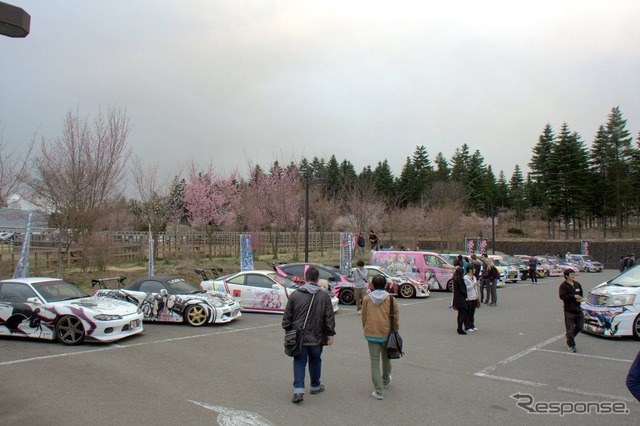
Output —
<point x="307" y="184"/>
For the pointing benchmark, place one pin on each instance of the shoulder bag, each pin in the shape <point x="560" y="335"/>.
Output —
<point x="293" y="339"/>
<point x="394" y="343"/>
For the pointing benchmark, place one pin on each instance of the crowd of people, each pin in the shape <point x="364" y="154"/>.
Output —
<point x="309" y="309"/>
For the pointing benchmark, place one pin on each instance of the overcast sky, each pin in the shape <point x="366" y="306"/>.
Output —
<point x="232" y="82"/>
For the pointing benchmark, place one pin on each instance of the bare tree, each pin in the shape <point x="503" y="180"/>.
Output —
<point x="14" y="169"/>
<point x="363" y="208"/>
<point x="79" y="174"/>
<point x="323" y="211"/>
<point x="154" y="207"/>
<point x="408" y="223"/>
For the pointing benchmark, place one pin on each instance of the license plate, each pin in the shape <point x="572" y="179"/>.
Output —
<point x="134" y="324"/>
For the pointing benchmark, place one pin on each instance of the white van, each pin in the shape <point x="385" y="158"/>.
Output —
<point x="427" y="267"/>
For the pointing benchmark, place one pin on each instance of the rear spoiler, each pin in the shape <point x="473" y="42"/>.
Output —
<point x="215" y="272"/>
<point x="102" y="282"/>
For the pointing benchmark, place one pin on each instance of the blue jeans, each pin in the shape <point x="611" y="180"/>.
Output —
<point x="314" y="355"/>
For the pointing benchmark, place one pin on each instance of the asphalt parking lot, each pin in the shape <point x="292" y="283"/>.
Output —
<point x="176" y="374"/>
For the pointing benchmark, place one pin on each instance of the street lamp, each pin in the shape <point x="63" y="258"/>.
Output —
<point x="307" y="184"/>
<point x="14" y="21"/>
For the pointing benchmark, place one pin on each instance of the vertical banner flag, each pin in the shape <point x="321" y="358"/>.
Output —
<point x="483" y="245"/>
<point x="152" y="257"/>
<point x="584" y="247"/>
<point x="469" y="245"/>
<point x="346" y="252"/>
<point x="246" y="253"/>
<point x="22" y="268"/>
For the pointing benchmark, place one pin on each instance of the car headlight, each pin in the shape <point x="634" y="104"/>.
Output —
<point x="105" y="317"/>
<point x="620" y="300"/>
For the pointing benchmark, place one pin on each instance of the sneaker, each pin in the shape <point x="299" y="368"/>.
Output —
<point x="475" y="328"/>
<point x="492" y="304"/>
<point x="572" y="349"/>
<point x="359" y="312"/>
<point x="318" y="390"/>
<point x="297" y="397"/>
<point x="461" y="332"/>
<point x="376" y="395"/>
<point x="469" y="329"/>
<point x="388" y="384"/>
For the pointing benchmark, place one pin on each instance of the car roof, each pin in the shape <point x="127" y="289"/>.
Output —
<point x="31" y="280"/>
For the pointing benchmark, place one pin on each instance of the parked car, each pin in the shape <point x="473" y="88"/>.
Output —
<point x="586" y="263"/>
<point x="401" y="286"/>
<point x="256" y="291"/>
<point x="165" y="298"/>
<point x="6" y="237"/>
<point x="508" y="273"/>
<point x="540" y="271"/>
<point x="51" y="308"/>
<point x="426" y="267"/>
<point x="520" y="265"/>
<point x="613" y="308"/>
<point x="550" y="269"/>
<point x="341" y="286"/>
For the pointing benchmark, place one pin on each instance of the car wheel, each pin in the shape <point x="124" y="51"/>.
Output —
<point x="450" y="286"/>
<point x="636" y="327"/>
<point x="406" y="291"/>
<point x="347" y="296"/>
<point x="195" y="315"/>
<point x="69" y="330"/>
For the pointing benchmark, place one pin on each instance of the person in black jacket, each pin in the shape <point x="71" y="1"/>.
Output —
<point x="460" y="298"/>
<point x="318" y="332"/>
<point x="570" y="293"/>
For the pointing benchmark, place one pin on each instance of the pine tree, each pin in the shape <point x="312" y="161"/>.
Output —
<point x="442" y="172"/>
<point x="538" y="165"/>
<point x="517" y="199"/>
<point x="384" y="181"/>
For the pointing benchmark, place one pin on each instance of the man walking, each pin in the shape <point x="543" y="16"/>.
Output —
<point x="312" y="304"/>
<point x="570" y="293"/>
<point x="360" y="284"/>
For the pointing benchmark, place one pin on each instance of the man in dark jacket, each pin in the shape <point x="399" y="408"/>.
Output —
<point x="570" y="293"/>
<point x="319" y="331"/>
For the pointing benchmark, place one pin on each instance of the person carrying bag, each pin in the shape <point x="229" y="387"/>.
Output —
<point x="380" y="319"/>
<point x="293" y="338"/>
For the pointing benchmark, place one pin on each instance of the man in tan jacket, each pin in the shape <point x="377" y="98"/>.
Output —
<point x="376" y="323"/>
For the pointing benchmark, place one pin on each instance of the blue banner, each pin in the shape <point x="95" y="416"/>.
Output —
<point x="246" y="253"/>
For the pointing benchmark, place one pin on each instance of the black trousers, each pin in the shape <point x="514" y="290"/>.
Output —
<point x="462" y="318"/>
<point x="471" y="313"/>
<point x="534" y="276"/>
<point x="573" y="323"/>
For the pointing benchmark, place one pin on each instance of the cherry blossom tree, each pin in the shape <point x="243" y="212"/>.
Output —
<point x="273" y="201"/>
<point x="211" y="201"/>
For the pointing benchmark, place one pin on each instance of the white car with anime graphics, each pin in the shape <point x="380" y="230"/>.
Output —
<point x="406" y="288"/>
<point x="52" y="309"/>
<point x="165" y="298"/>
<point x="255" y="291"/>
<point x="612" y="308"/>
<point x="586" y="263"/>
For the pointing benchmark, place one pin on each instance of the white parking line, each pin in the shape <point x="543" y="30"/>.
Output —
<point x="124" y="346"/>
<point x="585" y="355"/>
<point x="485" y="373"/>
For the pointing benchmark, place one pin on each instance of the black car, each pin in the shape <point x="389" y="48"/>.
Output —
<point x="341" y="286"/>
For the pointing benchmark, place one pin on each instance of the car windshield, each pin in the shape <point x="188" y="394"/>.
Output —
<point x="630" y="278"/>
<point x="514" y="261"/>
<point x="56" y="291"/>
<point x="588" y="259"/>
<point x="500" y="262"/>
<point x="283" y="281"/>
<point x="180" y="286"/>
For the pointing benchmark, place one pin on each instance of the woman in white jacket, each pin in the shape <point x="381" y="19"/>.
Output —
<point x="471" y="283"/>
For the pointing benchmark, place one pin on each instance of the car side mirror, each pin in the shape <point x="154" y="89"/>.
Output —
<point x="34" y="300"/>
<point x="275" y="286"/>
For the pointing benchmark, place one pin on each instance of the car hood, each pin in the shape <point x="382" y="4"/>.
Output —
<point x="101" y="305"/>
<point x="611" y="290"/>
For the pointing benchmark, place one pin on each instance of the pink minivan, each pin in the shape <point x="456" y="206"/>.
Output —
<point x="427" y="267"/>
